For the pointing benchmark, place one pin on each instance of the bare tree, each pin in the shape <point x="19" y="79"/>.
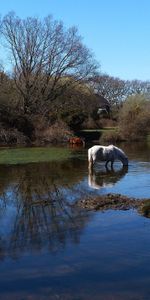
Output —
<point x="111" y="88"/>
<point x="138" y="87"/>
<point x="46" y="59"/>
<point x="116" y="90"/>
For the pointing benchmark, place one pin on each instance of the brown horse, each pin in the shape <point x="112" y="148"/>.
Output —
<point x="76" y="141"/>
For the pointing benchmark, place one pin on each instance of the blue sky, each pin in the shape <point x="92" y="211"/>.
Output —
<point x="117" y="31"/>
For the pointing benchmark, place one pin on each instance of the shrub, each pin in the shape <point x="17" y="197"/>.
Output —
<point x="110" y="137"/>
<point x="12" y="137"/>
<point x="57" y="133"/>
<point x="134" y="119"/>
<point x="108" y="123"/>
<point x="89" y="123"/>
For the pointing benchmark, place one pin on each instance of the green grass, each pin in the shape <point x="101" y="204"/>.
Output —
<point x="30" y="155"/>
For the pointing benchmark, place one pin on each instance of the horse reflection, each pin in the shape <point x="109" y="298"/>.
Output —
<point x="107" y="178"/>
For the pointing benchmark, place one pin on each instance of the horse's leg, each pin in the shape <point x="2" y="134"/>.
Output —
<point x="112" y="161"/>
<point x="90" y="163"/>
<point x="106" y="164"/>
<point x="90" y="170"/>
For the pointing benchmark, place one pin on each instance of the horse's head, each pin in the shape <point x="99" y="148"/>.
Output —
<point x="120" y="155"/>
<point x="125" y="160"/>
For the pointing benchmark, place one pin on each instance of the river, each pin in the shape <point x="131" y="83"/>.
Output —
<point x="52" y="250"/>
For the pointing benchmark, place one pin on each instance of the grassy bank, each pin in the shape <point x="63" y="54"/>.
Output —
<point x="99" y="130"/>
<point x="95" y="134"/>
<point x="30" y="155"/>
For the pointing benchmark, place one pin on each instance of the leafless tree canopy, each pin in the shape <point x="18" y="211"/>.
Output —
<point x="116" y="90"/>
<point x="46" y="59"/>
<point x="111" y="88"/>
<point x="138" y="87"/>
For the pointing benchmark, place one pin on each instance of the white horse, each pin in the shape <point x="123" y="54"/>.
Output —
<point x="106" y="153"/>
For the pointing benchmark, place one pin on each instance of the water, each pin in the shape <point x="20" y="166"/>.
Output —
<point x="50" y="250"/>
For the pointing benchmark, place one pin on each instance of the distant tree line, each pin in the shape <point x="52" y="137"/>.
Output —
<point x="54" y="79"/>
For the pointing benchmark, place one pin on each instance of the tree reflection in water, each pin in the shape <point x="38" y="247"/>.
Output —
<point x="35" y="212"/>
<point x="43" y="216"/>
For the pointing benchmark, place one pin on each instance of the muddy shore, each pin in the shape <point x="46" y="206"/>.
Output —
<point x="115" y="202"/>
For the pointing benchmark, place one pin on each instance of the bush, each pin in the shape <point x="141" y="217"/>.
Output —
<point x="57" y="133"/>
<point x="134" y="119"/>
<point x="108" y="123"/>
<point x="89" y="123"/>
<point x="110" y="137"/>
<point x="12" y="137"/>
